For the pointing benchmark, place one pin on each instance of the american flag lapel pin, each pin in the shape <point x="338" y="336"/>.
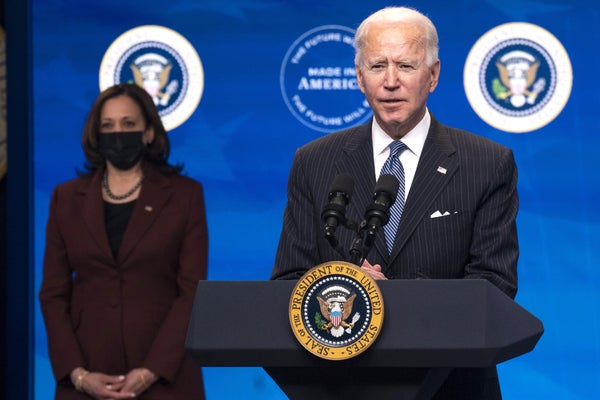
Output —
<point x="442" y="170"/>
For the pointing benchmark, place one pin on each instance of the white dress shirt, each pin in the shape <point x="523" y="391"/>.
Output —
<point x="414" y="141"/>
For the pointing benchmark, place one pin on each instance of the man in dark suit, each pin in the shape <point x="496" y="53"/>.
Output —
<point x="460" y="198"/>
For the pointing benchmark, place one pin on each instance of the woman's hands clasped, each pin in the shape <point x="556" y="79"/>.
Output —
<point x="113" y="387"/>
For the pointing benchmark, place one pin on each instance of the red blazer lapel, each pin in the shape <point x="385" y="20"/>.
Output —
<point x="155" y="192"/>
<point x="93" y="212"/>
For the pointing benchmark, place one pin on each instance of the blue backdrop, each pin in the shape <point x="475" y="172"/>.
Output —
<point x="240" y="140"/>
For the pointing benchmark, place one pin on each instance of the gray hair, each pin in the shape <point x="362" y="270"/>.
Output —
<point x="399" y="15"/>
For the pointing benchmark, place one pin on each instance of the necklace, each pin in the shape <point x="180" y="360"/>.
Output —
<point x="113" y="196"/>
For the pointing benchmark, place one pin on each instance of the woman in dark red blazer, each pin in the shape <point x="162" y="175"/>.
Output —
<point x="126" y="243"/>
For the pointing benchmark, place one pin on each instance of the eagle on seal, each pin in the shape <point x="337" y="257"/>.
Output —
<point x="337" y="310"/>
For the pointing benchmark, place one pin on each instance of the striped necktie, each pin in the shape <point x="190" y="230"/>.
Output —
<point x="394" y="167"/>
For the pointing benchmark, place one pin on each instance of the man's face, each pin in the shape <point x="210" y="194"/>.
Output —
<point x="393" y="75"/>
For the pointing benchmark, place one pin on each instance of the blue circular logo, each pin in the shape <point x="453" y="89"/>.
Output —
<point x="518" y="77"/>
<point x="162" y="62"/>
<point x="318" y="80"/>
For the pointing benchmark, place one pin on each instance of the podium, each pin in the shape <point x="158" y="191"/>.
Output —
<point x="429" y="328"/>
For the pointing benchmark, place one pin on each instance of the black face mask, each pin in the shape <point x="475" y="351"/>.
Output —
<point x="122" y="149"/>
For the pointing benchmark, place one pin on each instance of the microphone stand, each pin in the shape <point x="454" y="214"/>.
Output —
<point x="375" y="217"/>
<point x="333" y="241"/>
<point x="363" y="240"/>
<point x="357" y="254"/>
<point x="362" y="243"/>
<point x="365" y="235"/>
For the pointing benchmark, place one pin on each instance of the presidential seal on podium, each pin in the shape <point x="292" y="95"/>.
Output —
<point x="336" y="310"/>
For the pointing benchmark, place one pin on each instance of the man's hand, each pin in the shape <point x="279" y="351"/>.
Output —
<point x="374" y="271"/>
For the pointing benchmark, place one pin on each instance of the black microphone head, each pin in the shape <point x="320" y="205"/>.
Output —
<point x="342" y="183"/>
<point x="388" y="184"/>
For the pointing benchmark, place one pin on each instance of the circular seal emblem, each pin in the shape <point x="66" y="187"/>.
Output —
<point x="318" y="80"/>
<point x="161" y="61"/>
<point x="518" y="77"/>
<point x="336" y="311"/>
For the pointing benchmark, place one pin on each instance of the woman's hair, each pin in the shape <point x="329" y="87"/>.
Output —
<point x="157" y="153"/>
<point x="399" y="15"/>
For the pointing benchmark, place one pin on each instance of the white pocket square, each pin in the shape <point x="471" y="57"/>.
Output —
<point x="438" y="214"/>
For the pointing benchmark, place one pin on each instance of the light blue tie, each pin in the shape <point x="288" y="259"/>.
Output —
<point x="394" y="167"/>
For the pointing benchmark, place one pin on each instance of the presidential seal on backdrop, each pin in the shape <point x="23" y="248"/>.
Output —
<point x="318" y="80"/>
<point x="161" y="61"/>
<point x="336" y="311"/>
<point x="518" y="77"/>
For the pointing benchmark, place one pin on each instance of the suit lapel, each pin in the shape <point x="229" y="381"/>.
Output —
<point x="436" y="167"/>
<point x="156" y="190"/>
<point x="93" y="212"/>
<point x="357" y="149"/>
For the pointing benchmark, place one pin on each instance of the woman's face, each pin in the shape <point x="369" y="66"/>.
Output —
<point x="122" y="114"/>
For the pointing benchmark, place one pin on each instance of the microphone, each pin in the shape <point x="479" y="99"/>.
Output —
<point x="334" y="213"/>
<point x="377" y="214"/>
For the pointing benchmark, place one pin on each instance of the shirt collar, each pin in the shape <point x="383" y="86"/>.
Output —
<point x="414" y="139"/>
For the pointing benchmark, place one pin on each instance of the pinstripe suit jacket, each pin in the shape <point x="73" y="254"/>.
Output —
<point x="478" y="239"/>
